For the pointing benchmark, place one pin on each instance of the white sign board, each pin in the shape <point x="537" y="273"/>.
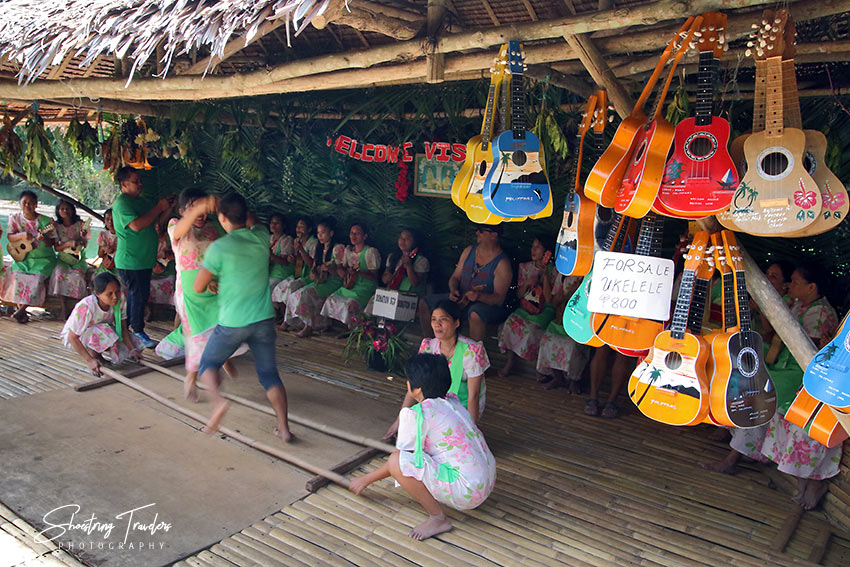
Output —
<point x="632" y="286"/>
<point x="396" y="305"/>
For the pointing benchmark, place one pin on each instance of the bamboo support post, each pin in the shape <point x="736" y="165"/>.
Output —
<point x="105" y="380"/>
<point x="595" y="64"/>
<point x="786" y="531"/>
<point x="327" y="429"/>
<point x="244" y="439"/>
<point x="346" y="466"/>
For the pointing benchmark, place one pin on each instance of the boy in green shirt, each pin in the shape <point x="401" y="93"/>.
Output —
<point x="240" y="262"/>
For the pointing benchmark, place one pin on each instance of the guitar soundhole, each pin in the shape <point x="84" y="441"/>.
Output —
<point x="701" y="147"/>
<point x="482" y="169"/>
<point x="673" y="360"/>
<point x="774" y="163"/>
<point x="519" y="158"/>
<point x="639" y="152"/>
<point x="748" y="362"/>
<point x="810" y="162"/>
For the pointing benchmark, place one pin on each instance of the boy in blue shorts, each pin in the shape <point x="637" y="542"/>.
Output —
<point x="240" y="263"/>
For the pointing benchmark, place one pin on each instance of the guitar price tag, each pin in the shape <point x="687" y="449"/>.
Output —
<point x="632" y="286"/>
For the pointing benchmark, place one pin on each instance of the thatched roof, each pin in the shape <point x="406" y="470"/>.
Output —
<point x="38" y="34"/>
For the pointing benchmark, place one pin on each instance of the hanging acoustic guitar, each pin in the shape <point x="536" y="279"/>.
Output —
<point x="516" y="185"/>
<point x="816" y="419"/>
<point x="574" y="255"/>
<point x="700" y="177"/>
<point x="670" y="385"/>
<point x="827" y="377"/>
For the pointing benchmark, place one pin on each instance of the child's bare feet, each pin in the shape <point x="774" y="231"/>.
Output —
<point x="574" y="387"/>
<point x="544" y="377"/>
<point x="509" y="365"/>
<point x="810" y="493"/>
<point x="432" y="526"/>
<point x="304" y="333"/>
<point x="230" y="368"/>
<point x="557" y="381"/>
<point x="283" y="327"/>
<point x="190" y="392"/>
<point x="215" y="419"/>
<point x="729" y="465"/>
<point x="358" y="485"/>
<point x="285" y="434"/>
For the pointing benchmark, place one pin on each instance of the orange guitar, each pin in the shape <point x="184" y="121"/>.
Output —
<point x="643" y="176"/>
<point x="670" y="385"/>
<point x="631" y="333"/>
<point x="742" y="392"/>
<point x="607" y="175"/>
<point x="816" y="419"/>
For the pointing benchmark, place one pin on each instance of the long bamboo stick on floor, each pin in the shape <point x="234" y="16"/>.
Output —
<point x="333" y="431"/>
<point x="268" y="449"/>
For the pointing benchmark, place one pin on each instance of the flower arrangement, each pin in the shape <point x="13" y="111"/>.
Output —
<point x="381" y="343"/>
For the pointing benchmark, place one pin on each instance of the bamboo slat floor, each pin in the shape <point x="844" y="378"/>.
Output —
<point x="571" y="490"/>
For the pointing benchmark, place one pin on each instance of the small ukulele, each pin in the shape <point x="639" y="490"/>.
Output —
<point x="742" y="392"/>
<point x="816" y="418"/>
<point x="574" y="255"/>
<point x="401" y="271"/>
<point x="827" y="376"/>
<point x="670" y="385"/>
<point x="700" y="177"/>
<point x="19" y="249"/>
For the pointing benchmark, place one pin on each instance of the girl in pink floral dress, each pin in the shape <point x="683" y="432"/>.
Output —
<point x="72" y="236"/>
<point x="164" y="275"/>
<point x="190" y="237"/>
<point x="561" y="360"/>
<point x="27" y="279"/>
<point x="303" y="250"/>
<point x="281" y="249"/>
<point x="98" y="326"/>
<point x="362" y="263"/>
<point x="442" y="458"/>
<point x="107" y="244"/>
<point x="522" y="331"/>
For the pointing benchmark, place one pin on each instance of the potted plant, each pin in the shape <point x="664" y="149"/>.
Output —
<point x="381" y="343"/>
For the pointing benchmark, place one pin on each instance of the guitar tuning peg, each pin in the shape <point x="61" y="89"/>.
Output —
<point x="770" y="47"/>
<point x="777" y="21"/>
<point x="710" y="28"/>
<point x="768" y="27"/>
<point x="697" y="34"/>
<point x="725" y="47"/>
<point x="611" y="118"/>
<point x="701" y="40"/>
<point x="748" y="52"/>
<point x="762" y="43"/>
<point x="721" y="40"/>
<point x="755" y="26"/>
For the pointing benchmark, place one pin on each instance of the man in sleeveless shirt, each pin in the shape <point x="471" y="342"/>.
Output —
<point x="479" y="283"/>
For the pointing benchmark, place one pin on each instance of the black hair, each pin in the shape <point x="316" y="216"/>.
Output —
<point x="281" y="218"/>
<point x="234" y="208"/>
<point x="786" y="267"/>
<point x="102" y="281"/>
<point x="545" y="240"/>
<point x="123" y="174"/>
<point x="307" y="220"/>
<point x="429" y="372"/>
<point x="107" y="212"/>
<point x="190" y="194"/>
<point x="74" y="216"/>
<point x="449" y="307"/>
<point x="815" y="274"/>
<point x="319" y="256"/>
<point x="395" y="255"/>
<point x="27" y="193"/>
<point x="362" y="226"/>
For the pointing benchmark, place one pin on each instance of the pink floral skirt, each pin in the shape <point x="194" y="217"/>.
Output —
<point x="280" y="293"/>
<point x="520" y="336"/>
<point x="560" y="352"/>
<point x="342" y="309"/>
<point x="162" y="290"/>
<point x="25" y="289"/>
<point x="103" y="339"/>
<point x="305" y="305"/>
<point x="67" y="281"/>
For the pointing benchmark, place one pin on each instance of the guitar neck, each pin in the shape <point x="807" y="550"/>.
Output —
<point x="743" y="301"/>
<point x="504" y="112"/>
<point x="759" y="95"/>
<point x="790" y="96"/>
<point x="697" y="309"/>
<point x="774" y="120"/>
<point x="705" y="89"/>
<point x="616" y="232"/>
<point x="651" y="231"/>
<point x="730" y="315"/>
<point x="487" y="127"/>
<point x="517" y="107"/>
<point x="679" y="324"/>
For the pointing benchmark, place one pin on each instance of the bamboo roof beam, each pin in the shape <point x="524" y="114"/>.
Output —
<point x="57" y="71"/>
<point x="491" y="13"/>
<point x="233" y="47"/>
<point x="257" y="82"/>
<point x="368" y="16"/>
<point x="530" y="9"/>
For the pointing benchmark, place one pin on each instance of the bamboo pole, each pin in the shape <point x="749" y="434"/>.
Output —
<point x="244" y="439"/>
<point x="327" y="429"/>
<point x="598" y="69"/>
<point x="59" y="194"/>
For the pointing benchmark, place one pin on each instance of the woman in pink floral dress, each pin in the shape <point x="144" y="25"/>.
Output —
<point x="780" y="441"/>
<point x="164" y="275"/>
<point x="107" y="244"/>
<point x="72" y="236"/>
<point x="360" y="262"/>
<point x="442" y="458"/>
<point x="98" y="326"/>
<point x="522" y="331"/>
<point x="27" y="279"/>
<point x="281" y="248"/>
<point x="190" y="237"/>
<point x="303" y="250"/>
<point x="561" y="360"/>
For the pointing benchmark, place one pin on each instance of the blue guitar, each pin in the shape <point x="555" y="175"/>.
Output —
<point x="827" y="377"/>
<point x="516" y="185"/>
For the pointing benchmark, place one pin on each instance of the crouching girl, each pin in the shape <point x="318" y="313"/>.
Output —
<point x="442" y="459"/>
<point x="98" y="325"/>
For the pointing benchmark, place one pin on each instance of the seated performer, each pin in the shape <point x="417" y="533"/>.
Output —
<point x="305" y="304"/>
<point x="359" y="273"/>
<point x="98" y="325"/>
<point x="107" y="243"/>
<point x="164" y="273"/>
<point x="406" y="269"/>
<point x="27" y="278"/>
<point x="301" y="259"/>
<point x="442" y="459"/>
<point x="479" y="283"/>
<point x="561" y="360"/>
<point x="281" y="266"/>
<point x="780" y="441"/>
<point x="72" y="236"/>
<point x="523" y="329"/>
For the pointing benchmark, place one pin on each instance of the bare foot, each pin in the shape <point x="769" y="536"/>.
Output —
<point x="724" y="466"/>
<point x="283" y="327"/>
<point x="215" y="419"/>
<point x="304" y="333"/>
<point x="811" y="497"/>
<point x="555" y="382"/>
<point x="574" y="387"/>
<point x="230" y="368"/>
<point x="432" y="526"/>
<point x="190" y="392"/>
<point x="544" y="377"/>
<point x="285" y="435"/>
<point x="720" y="434"/>
<point x="358" y="485"/>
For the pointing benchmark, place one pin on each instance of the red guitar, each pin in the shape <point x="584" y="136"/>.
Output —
<point x="700" y="178"/>
<point x="400" y="271"/>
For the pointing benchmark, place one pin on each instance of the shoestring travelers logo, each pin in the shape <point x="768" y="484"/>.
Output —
<point x="137" y="529"/>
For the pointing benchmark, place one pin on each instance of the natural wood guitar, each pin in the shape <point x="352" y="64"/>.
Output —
<point x="607" y="174"/>
<point x="19" y="249"/>
<point x="670" y="385"/>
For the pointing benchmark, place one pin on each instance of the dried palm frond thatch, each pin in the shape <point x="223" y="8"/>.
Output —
<point x="38" y="34"/>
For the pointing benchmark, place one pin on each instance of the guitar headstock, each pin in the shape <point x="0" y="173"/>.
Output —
<point x="515" y="60"/>
<point x="684" y="39"/>
<point x="707" y="268"/>
<point x="790" y="38"/>
<point x="675" y="42"/>
<point x="712" y="34"/>
<point x="733" y="251"/>
<point x="768" y="37"/>
<point x="720" y="254"/>
<point x="588" y="116"/>
<point x="600" y="113"/>
<point x="695" y="252"/>
<point x="500" y="64"/>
